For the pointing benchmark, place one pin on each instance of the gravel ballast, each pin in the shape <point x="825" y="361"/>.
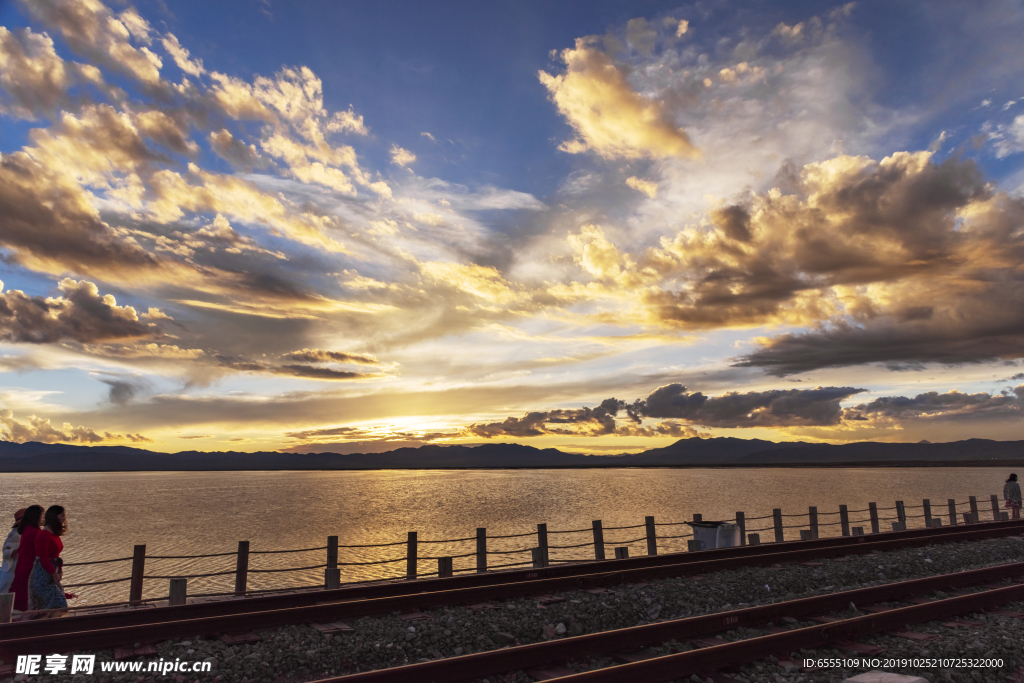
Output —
<point x="302" y="653"/>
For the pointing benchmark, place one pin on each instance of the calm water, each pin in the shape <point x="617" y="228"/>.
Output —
<point x="188" y="513"/>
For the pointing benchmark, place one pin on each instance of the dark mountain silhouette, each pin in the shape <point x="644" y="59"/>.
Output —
<point x="724" y="452"/>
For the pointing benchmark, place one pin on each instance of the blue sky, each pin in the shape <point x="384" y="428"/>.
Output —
<point x="352" y="226"/>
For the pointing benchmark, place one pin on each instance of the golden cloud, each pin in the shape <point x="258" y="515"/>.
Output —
<point x="609" y="115"/>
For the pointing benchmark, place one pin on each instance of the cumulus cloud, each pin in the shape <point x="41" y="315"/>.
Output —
<point x="1008" y="138"/>
<point x="646" y="186"/>
<point x="401" y="157"/>
<point x="193" y="67"/>
<point x="39" y="429"/>
<point x="92" y="30"/>
<point x="610" y="117"/>
<point x="80" y="314"/>
<point x="34" y="80"/>
<point x="901" y="260"/>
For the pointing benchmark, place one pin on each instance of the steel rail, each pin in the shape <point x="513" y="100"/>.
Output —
<point x="114" y="629"/>
<point x="671" y="667"/>
<point x="493" y="662"/>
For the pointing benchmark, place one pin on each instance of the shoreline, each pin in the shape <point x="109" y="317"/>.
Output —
<point x="700" y="466"/>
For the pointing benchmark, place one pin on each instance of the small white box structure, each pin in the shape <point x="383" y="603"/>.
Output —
<point x="876" y="676"/>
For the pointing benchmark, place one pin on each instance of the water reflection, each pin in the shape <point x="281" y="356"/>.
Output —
<point x="190" y="513"/>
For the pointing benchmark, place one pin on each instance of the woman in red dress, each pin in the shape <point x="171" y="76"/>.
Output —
<point x="44" y="587"/>
<point x="29" y="528"/>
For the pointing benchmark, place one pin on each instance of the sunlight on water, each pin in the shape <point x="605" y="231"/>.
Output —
<point x="191" y="513"/>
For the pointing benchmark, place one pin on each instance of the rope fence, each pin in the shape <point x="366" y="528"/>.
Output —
<point x="809" y="526"/>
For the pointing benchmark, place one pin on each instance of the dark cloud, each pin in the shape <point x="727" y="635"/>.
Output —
<point x="81" y="315"/>
<point x="52" y="226"/>
<point x="935" y="406"/>
<point x="120" y="391"/>
<point x="734" y="221"/>
<point x="235" y="151"/>
<point x="319" y="373"/>
<point x="773" y="408"/>
<point x="320" y="356"/>
<point x="974" y="330"/>
<point x="359" y="440"/>
<point x="294" y="370"/>
<point x="851" y="222"/>
<point x="581" y="421"/>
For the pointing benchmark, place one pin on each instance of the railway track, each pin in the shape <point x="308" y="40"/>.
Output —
<point x="628" y="644"/>
<point x="96" y="631"/>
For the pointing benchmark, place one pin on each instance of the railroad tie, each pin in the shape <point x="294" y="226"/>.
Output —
<point x="333" y="627"/>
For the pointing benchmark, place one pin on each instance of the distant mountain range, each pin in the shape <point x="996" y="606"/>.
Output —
<point x="718" y="452"/>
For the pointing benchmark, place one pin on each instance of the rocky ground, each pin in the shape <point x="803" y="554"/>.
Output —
<point x="302" y="653"/>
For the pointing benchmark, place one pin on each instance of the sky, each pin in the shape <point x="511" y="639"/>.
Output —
<point x="599" y="226"/>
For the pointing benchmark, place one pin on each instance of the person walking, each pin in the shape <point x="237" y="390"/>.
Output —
<point x="10" y="553"/>
<point x="1011" y="494"/>
<point x="28" y="527"/>
<point x="44" y="588"/>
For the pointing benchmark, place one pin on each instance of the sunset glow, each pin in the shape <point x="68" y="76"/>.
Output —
<point x="594" y="226"/>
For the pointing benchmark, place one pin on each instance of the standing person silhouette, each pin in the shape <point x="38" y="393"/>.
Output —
<point x="1011" y="494"/>
<point x="28" y="527"/>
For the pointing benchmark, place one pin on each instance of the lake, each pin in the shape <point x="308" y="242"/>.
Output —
<point x="191" y="513"/>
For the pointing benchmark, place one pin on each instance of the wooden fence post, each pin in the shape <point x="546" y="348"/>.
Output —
<point x="873" y="510"/>
<point x="901" y="514"/>
<point x="332" y="552"/>
<point x="754" y="539"/>
<point x="332" y="575"/>
<point x="178" y="592"/>
<point x="777" y="518"/>
<point x="652" y="538"/>
<point x="812" y="518"/>
<point x="974" y="508"/>
<point x="952" y="511"/>
<point x="598" y="540"/>
<point x="844" y="519"/>
<point x="6" y="607"/>
<point x="995" y="508"/>
<point x="927" y="505"/>
<point x="138" y="569"/>
<point x="444" y="568"/>
<point x="242" y="568"/>
<point x="411" y="560"/>
<point x="540" y="557"/>
<point x="481" y="550"/>
<point x="741" y="522"/>
<point x="542" y="541"/>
